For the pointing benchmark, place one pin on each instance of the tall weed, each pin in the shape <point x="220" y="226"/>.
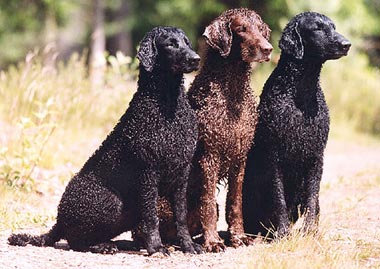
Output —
<point x="49" y="110"/>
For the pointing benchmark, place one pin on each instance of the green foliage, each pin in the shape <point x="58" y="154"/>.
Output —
<point x="24" y="25"/>
<point x="371" y="17"/>
<point x="190" y="15"/>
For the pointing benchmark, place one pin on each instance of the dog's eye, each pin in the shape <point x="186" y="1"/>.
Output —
<point x="173" y="43"/>
<point x="318" y="27"/>
<point x="187" y="42"/>
<point x="241" y="28"/>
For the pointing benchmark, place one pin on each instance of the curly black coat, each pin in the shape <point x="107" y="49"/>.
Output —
<point x="147" y="154"/>
<point x="284" y="166"/>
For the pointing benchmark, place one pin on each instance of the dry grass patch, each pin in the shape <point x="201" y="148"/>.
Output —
<point x="321" y="251"/>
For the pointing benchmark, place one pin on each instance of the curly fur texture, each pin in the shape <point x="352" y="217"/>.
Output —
<point x="147" y="154"/>
<point x="284" y="166"/>
<point x="245" y="25"/>
<point x="226" y="110"/>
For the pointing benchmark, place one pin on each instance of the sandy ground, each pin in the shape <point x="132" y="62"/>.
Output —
<point x="352" y="208"/>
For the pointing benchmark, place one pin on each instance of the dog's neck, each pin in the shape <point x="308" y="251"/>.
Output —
<point x="161" y="83"/>
<point x="231" y="78"/>
<point x="166" y="87"/>
<point x="231" y="70"/>
<point x="305" y="74"/>
<point x="232" y="62"/>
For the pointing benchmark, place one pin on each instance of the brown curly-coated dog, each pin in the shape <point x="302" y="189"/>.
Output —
<point x="226" y="108"/>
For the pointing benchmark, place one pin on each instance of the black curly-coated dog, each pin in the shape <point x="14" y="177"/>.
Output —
<point x="284" y="166"/>
<point x="146" y="155"/>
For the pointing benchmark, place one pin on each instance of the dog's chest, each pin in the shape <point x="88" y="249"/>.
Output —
<point x="228" y="125"/>
<point x="305" y="136"/>
<point x="167" y="140"/>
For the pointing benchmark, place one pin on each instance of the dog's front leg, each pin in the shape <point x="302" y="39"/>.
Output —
<point x="180" y="211"/>
<point x="210" y="165"/>
<point x="234" y="214"/>
<point x="280" y="212"/>
<point x="148" y="195"/>
<point x="310" y="206"/>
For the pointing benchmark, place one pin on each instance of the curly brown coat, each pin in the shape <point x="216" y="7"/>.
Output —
<point x="226" y="108"/>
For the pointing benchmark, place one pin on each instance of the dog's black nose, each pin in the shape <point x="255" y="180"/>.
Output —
<point x="194" y="60"/>
<point x="345" y="45"/>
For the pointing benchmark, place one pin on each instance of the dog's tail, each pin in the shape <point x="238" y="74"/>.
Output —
<point x="44" y="240"/>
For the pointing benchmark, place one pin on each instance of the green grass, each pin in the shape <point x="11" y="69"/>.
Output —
<point x="352" y="92"/>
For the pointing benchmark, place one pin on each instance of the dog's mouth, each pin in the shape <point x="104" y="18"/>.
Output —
<point x="184" y="68"/>
<point x="257" y="54"/>
<point x="338" y="54"/>
<point x="260" y="57"/>
<point x="189" y="69"/>
<point x="186" y="65"/>
<point x="339" y="50"/>
<point x="265" y="58"/>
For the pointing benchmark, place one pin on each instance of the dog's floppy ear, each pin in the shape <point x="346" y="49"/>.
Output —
<point x="291" y="41"/>
<point x="219" y="36"/>
<point x="148" y="51"/>
<point x="266" y="31"/>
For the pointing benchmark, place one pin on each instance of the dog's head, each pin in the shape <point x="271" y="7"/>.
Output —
<point x="244" y="27"/>
<point x="167" y="49"/>
<point x="311" y="34"/>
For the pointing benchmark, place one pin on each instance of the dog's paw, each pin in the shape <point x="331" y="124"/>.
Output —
<point x="240" y="240"/>
<point x="212" y="242"/>
<point x="198" y="248"/>
<point x="192" y="248"/>
<point x="158" y="251"/>
<point x="217" y="246"/>
<point x="104" y="248"/>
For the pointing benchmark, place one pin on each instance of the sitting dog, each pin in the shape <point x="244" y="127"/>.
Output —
<point x="226" y="109"/>
<point x="146" y="155"/>
<point x="284" y="166"/>
<point x="225" y="106"/>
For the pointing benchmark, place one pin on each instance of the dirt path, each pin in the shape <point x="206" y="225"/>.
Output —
<point x="350" y="202"/>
